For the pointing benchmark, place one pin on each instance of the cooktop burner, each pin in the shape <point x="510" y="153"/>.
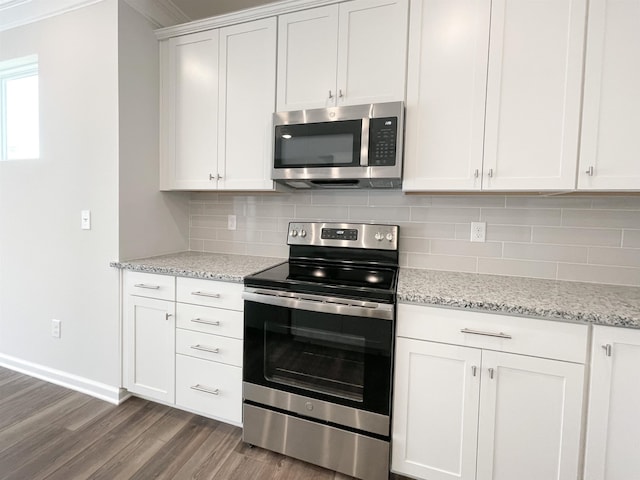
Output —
<point x="340" y="260"/>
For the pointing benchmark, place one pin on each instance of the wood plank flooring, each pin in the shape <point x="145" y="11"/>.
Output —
<point x="49" y="432"/>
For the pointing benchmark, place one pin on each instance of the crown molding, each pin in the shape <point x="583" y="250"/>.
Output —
<point x="161" y="13"/>
<point x="249" y="14"/>
<point x="16" y="13"/>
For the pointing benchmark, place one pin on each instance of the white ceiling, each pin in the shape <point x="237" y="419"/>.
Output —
<point x="198" y="9"/>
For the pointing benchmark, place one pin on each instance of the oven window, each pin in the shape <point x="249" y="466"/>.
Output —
<point x="314" y="359"/>
<point x="326" y="144"/>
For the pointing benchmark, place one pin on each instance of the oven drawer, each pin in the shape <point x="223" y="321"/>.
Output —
<point x="209" y="388"/>
<point x="210" y="293"/>
<point x="505" y="333"/>
<point x="162" y="287"/>
<point x="217" y="321"/>
<point x="209" y="347"/>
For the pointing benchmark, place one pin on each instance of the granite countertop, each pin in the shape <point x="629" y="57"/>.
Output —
<point x="211" y="266"/>
<point x="550" y="299"/>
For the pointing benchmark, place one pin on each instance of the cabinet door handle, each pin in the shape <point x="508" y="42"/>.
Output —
<point x="206" y="294"/>
<point x="202" y="388"/>
<point x="474" y="370"/>
<point x="607" y="349"/>
<point x="486" y="334"/>
<point x="217" y="176"/>
<point x="476" y="174"/>
<point x="490" y="173"/>
<point x="491" y="373"/>
<point x="340" y="94"/>
<point x="167" y="316"/>
<point x="150" y="287"/>
<point x="589" y="171"/>
<point x="330" y="94"/>
<point x="206" y="322"/>
<point x="204" y="348"/>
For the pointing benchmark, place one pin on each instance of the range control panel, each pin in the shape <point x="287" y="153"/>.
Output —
<point x="353" y="235"/>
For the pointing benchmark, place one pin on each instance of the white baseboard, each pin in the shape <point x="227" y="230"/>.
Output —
<point x="99" y="390"/>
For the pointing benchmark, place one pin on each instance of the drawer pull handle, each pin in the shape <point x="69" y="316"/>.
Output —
<point x="201" y="388"/>
<point x="206" y="294"/>
<point x="206" y="322"/>
<point x="486" y="334"/>
<point x="204" y="348"/>
<point x="150" y="287"/>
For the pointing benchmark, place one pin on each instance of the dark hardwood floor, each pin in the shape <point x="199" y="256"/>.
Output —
<point x="49" y="432"/>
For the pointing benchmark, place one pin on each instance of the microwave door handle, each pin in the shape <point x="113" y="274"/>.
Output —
<point x="364" y="145"/>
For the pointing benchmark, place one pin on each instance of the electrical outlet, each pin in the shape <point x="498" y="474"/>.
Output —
<point x="231" y="222"/>
<point x="55" y="328"/>
<point x="478" y="231"/>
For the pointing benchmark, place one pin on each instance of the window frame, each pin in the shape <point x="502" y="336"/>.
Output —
<point x="12" y="70"/>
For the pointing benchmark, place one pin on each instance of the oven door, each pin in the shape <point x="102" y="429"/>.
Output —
<point x="313" y="348"/>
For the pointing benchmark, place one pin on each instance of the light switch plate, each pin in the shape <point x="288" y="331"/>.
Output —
<point x="85" y="222"/>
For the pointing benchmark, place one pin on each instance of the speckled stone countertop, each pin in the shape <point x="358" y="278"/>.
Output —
<point x="562" y="300"/>
<point x="212" y="266"/>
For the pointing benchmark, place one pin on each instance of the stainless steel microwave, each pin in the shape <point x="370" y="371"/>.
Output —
<point x="357" y="146"/>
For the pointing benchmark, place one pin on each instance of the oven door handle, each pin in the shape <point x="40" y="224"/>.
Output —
<point x="317" y="303"/>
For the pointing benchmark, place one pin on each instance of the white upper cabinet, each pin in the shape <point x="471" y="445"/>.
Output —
<point x="217" y="97"/>
<point x="524" y="59"/>
<point x="610" y="146"/>
<point x="346" y="54"/>
<point x="189" y="106"/>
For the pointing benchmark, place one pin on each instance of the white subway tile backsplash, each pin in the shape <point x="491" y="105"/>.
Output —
<point x="624" y="257"/>
<point x="552" y="253"/>
<point x="599" y="274"/>
<point x="466" y="247"/>
<point x="521" y="216"/>
<point x="585" y="238"/>
<point x="577" y="236"/>
<point x="601" y="218"/>
<point x="440" y="214"/>
<point x="631" y="238"/>
<point x="517" y="268"/>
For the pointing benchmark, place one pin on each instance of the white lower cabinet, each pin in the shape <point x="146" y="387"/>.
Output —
<point x="182" y="343"/>
<point x="468" y="404"/>
<point x="613" y="422"/>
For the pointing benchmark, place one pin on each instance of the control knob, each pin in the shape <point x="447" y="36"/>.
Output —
<point x="390" y="237"/>
<point x="303" y="233"/>
<point x="378" y="236"/>
<point x="293" y="233"/>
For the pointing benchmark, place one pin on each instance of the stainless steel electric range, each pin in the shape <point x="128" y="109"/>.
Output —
<point x="318" y="348"/>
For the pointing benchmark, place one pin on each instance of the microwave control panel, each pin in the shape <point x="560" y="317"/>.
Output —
<point x="383" y="136"/>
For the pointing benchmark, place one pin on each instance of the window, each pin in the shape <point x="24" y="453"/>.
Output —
<point x="19" y="112"/>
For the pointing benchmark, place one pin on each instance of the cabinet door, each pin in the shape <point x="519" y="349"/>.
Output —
<point x="372" y="51"/>
<point x="610" y="147"/>
<point x="446" y="91"/>
<point x="189" y="112"/>
<point x="247" y="101"/>
<point x="307" y="46"/>
<point x="435" y="410"/>
<point x="613" y="425"/>
<point x="149" y="347"/>
<point x="533" y="94"/>
<point x="530" y="418"/>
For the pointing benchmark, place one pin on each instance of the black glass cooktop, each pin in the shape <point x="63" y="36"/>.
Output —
<point x="347" y="281"/>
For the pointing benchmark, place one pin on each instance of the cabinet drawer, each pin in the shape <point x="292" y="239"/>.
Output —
<point x="506" y="333"/>
<point x="210" y="293"/>
<point x="209" y="347"/>
<point x="150" y="285"/>
<point x="209" y="388"/>
<point x="217" y="321"/>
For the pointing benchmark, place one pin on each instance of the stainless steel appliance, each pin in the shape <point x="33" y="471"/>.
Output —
<point x="318" y="348"/>
<point x="341" y="147"/>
